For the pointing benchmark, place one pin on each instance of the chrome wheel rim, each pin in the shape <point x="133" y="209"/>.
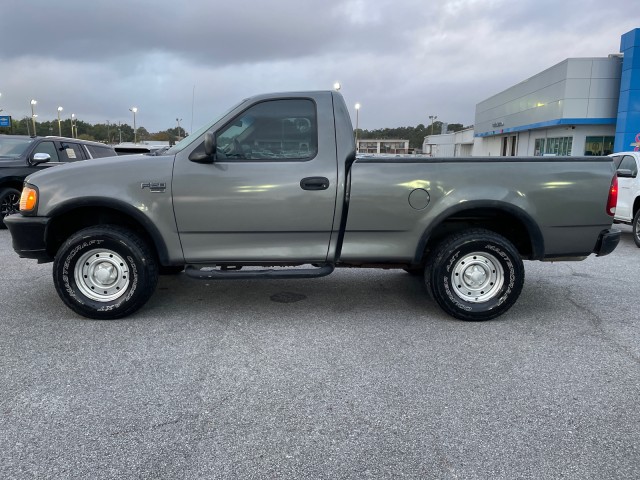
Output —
<point x="477" y="277"/>
<point x="102" y="275"/>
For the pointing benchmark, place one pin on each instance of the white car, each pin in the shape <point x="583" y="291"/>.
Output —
<point x="628" y="206"/>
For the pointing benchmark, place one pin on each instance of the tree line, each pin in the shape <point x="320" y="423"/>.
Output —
<point x="100" y="132"/>
<point x="415" y="135"/>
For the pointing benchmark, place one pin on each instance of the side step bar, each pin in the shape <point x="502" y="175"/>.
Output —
<point x="197" y="272"/>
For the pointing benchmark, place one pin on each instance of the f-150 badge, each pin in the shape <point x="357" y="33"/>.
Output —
<point x="154" y="187"/>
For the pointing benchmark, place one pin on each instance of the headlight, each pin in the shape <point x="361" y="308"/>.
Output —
<point x="28" y="199"/>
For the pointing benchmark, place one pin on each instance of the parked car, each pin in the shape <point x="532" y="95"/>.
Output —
<point x="628" y="206"/>
<point x="139" y="148"/>
<point x="21" y="155"/>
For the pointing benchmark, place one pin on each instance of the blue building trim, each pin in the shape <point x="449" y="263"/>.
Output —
<point x="628" y="124"/>
<point x="549" y="123"/>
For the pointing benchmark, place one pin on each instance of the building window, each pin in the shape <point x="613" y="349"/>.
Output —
<point x="553" y="146"/>
<point x="598" y="146"/>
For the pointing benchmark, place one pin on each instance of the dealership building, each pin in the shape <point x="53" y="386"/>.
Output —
<point x="581" y="106"/>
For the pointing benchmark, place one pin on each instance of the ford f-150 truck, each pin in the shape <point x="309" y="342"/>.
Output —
<point x="273" y="189"/>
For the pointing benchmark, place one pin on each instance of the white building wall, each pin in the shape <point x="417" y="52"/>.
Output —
<point x="577" y="88"/>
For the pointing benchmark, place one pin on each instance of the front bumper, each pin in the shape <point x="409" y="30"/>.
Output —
<point x="607" y="242"/>
<point x="29" y="236"/>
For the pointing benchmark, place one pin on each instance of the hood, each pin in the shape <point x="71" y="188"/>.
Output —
<point x="115" y="169"/>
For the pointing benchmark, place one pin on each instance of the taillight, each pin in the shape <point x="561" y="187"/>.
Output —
<point x="613" y="196"/>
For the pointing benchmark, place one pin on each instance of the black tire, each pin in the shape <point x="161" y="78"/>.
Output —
<point x="105" y="272"/>
<point x="9" y="203"/>
<point x="475" y="275"/>
<point x="636" y="228"/>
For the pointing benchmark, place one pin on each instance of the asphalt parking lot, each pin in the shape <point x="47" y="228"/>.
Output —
<point x="355" y="375"/>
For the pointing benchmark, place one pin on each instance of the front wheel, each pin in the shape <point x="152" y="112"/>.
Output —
<point x="475" y="275"/>
<point x="636" y="228"/>
<point x="9" y="203"/>
<point x="105" y="272"/>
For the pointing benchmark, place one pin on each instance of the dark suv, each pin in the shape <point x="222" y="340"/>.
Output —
<point x="21" y="155"/>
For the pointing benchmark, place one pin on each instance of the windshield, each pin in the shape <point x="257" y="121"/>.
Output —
<point x="185" y="142"/>
<point x="14" y="147"/>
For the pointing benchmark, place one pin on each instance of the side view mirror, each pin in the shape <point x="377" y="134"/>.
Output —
<point x="625" y="173"/>
<point x="208" y="156"/>
<point x="39" y="158"/>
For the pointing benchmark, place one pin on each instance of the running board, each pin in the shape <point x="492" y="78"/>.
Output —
<point x="222" y="273"/>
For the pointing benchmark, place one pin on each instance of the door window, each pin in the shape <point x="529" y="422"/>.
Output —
<point x="275" y="130"/>
<point x="71" y="152"/>
<point x="47" y="147"/>
<point x="629" y="163"/>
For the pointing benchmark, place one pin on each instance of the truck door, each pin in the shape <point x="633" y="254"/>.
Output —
<point x="270" y="194"/>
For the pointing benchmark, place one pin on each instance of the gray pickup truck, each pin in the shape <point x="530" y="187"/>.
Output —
<point x="273" y="189"/>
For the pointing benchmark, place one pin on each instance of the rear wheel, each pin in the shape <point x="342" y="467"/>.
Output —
<point x="475" y="275"/>
<point x="105" y="272"/>
<point x="636" y="228"/>
<point x="9" y="203"/>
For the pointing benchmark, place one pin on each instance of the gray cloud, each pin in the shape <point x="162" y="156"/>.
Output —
<point x="402" y="60"/>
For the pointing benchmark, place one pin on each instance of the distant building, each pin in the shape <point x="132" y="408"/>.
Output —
<point x="382" y="146"/>
<point x="458" y="144"/>
<point x="581" y="106"/>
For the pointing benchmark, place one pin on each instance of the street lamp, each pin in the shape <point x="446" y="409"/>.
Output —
<point x="33" y="116"/>
<point x="135" y="133"/>
<point x="108" y="133"/>
<point x="178" y="120"/>
<point x="337" y="86"/>
<point x="432" y="118"/>
<point x="357" y="107"/>
<point x="73" y="116"/>
<point x="59" y="124"/>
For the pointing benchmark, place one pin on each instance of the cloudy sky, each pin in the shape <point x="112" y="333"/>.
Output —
<point x="402" y="60"/>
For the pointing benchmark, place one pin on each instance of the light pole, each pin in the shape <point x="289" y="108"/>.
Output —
<point x="0" y="96"/>
<point x="178" y="120"/>
<point x="33" y="116"/>
<point x="108" y="133"/>
<point x="432" y="118"/>
<point x="73" y="116"/>
<point x="357" y="107"/>
<point x="119" y="132"/>
<point x="135" y="133"/>
<point x="59" y="124"/>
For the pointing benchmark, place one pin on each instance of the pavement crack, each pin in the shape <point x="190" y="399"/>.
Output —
<point x="149" y="428"/>
<point x="596" y="323"/>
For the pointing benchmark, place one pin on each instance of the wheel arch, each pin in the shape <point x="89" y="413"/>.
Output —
<point x="506" y="219"/>
<point x="12" y="182"/>
<point x="636" y="207"/>
<point x="72" y="217"/>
